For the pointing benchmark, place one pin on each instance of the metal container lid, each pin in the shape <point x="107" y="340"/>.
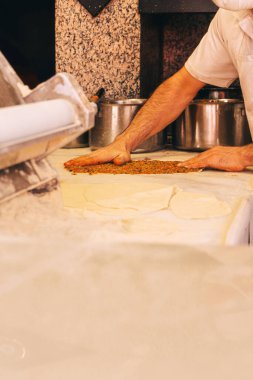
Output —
<point x="217" y="101"/>
<point x="124" y="102"/>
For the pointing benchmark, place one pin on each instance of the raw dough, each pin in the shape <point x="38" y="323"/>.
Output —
<point x="73" y="195"/>
<point x="147" y="201"/>
<point x="115" y="198"/>
<point x="150" y="226"/>
<point x="198" y="206"/>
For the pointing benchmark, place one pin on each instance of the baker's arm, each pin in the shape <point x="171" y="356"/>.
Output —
<point x="223" y="158"/>
<point x="164" y="106"/>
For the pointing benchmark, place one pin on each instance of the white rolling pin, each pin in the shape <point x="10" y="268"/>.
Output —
<point x="29" y="120"/>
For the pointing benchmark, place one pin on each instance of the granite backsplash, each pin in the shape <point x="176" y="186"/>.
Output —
<point x="104" y="51"/>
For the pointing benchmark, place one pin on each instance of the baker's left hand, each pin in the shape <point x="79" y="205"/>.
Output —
<point x="225" y="158"/>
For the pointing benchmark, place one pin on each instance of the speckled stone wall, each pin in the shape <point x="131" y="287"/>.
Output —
<point x="103" y="51"/>
<point x="182" y="33"/>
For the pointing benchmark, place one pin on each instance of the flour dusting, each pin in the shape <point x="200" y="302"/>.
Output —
<point x="45" y="217"/>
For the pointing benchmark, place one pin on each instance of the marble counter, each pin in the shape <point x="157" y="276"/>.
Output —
<point x="234" y="188"/>
<point x="76" y="304"/>
<point x="44" y="217"/>
<point x="132" y="311"/>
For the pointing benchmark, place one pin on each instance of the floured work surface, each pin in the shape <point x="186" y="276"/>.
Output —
<point x="37" y="176"/>
<point x="118" y="199"/>
<point x="96" y="197"/>
<point x="134" y="167"/>
<point x="133" y="200"/>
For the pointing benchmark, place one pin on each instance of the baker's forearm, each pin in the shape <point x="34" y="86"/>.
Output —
<point x="167" y="102"/>
<point x="163" y="107"/>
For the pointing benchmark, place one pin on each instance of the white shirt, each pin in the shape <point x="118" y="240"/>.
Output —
<point x="226" y="53"/>
<point x="234" y="5"/>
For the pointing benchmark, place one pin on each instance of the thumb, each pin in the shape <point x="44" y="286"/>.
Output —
<point x="122" y="159"/>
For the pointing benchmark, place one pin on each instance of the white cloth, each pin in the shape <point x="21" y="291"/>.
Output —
<point x="226" y="53"/>
<point x="234" y="5"/>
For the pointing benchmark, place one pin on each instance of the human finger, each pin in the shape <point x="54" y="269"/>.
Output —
<point x="122" y="159"/>
<point x="194" y="163"/>
<point x="90" y="159"/>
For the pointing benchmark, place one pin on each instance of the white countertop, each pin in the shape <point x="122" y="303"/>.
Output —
<point x="77" y="302"/>
<point x="234" y="188"/>
<point x="132" y="311"/>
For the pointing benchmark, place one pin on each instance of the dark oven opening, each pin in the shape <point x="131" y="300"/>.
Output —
<point x="170" y="31"/>
<point x="27" y="38"/>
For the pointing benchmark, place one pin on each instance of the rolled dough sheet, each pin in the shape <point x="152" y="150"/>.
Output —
<point x="147" y="201"/>
<point x="189" y="205"/>
<point x="104" y="198"/>
<point x="151" y="226"/>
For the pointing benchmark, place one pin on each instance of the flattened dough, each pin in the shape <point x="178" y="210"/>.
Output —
<point x="150" y="226"/>
<point x="147" y="201"/>
<point x="115" y="199"/>
<point x="190" y="205"/>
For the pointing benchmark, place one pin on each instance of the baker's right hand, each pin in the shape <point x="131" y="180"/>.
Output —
<point x="116" y="152"/>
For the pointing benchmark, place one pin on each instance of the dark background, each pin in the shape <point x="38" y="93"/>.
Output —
<point x="27" y="38"/>
<point x="171" y="6"/>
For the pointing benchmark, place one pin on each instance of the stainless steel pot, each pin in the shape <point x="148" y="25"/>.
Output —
<point x="220" y="93"/>
<point x="83" y="140"/>
<point x="79" y="142"/>
<point x="206" y="123"/>
<point x="113" y="118"/>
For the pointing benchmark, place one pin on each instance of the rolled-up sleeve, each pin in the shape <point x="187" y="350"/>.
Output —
<point x="211" y="62"/>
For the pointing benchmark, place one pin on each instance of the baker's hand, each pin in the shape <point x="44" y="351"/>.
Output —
<point x="115" y="152"/>
<point x="231" y="159"/>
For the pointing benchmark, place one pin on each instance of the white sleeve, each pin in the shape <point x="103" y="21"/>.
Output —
<point x="210" y="62"/>
<point x="234" y="5"/>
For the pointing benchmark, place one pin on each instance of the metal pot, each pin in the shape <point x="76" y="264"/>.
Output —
<point x="207" y="123"/>
<point x="82" y="141"/>
<point x="113" y="117"/>
<point x="220" y="93"/>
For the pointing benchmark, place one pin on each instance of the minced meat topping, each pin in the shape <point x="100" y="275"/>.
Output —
<point x="133" y="167"/>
